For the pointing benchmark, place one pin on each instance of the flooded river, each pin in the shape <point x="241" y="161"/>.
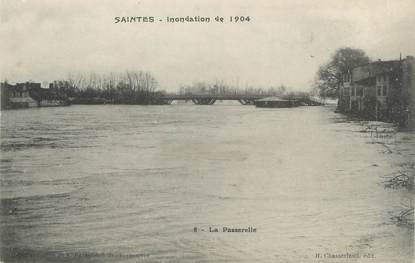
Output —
<point x="144" y="184"/>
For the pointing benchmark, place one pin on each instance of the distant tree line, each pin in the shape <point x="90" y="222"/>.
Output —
<point x="131" y="87"/>
<point x="220" y="88"/>
<point x="138" y="87"/>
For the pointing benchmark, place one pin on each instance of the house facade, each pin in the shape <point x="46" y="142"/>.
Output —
<point x="29" y="95"/>
<point x="381" y="90"/>
<point x="18" y="95"/>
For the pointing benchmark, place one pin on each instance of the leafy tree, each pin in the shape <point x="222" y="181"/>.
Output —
<point x="329" y="75"/>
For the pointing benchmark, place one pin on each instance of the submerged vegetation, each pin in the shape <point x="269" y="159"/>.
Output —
<point x="402" y="178"/>
<point x="405" y="217"/>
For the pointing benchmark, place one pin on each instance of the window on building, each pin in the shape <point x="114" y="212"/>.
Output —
<point x="379" y="90"/>
<point x="347" y="77"/>
<point x="385" y="90"/>
<point x="359" y="92"/>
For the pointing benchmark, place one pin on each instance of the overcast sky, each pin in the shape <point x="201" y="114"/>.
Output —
<point x="284" y="43"/>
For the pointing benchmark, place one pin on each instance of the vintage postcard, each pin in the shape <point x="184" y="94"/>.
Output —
<point x="207" y="131"/>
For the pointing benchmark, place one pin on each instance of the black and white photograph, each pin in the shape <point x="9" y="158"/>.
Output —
<point x="207" y="131"/>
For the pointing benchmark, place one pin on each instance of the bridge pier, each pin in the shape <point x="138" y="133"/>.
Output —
<point x="204" y="101"/>
<point x="246" y="102"/>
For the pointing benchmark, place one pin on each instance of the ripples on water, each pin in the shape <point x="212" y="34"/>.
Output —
<point x="129" y="184"/>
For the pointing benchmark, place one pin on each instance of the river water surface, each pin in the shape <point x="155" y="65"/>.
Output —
<point x="131" y="183"/>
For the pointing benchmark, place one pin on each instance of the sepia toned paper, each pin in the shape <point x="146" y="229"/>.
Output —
<point x="200" y="131"/>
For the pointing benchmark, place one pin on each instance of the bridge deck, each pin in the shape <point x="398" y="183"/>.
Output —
<point x="216" y="97"/>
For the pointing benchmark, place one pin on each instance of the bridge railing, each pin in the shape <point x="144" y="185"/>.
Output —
<point x="213" y="96"/>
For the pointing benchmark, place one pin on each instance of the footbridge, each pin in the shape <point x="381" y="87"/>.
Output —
<point x="211" y="99"/>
